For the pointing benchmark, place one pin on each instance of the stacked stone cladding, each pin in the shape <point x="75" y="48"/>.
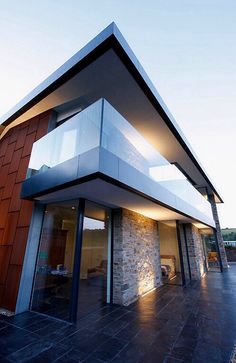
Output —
<point x="195" y="251"/>
<point x="136" y="258"/>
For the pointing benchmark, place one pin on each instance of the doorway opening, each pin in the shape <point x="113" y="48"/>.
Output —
<point x="94" y="284"/>
<point x="211" y="253"/>
<point x="171" y="266"/>
<point x="62" y="248"/>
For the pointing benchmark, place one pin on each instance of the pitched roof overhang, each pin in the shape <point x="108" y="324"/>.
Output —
<point x="107" y="67"/>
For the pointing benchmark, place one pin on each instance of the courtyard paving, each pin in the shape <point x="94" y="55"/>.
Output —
<point x="171" y="324"/>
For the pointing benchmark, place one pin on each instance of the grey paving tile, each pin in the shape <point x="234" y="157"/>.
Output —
<point x="170" y="325"/>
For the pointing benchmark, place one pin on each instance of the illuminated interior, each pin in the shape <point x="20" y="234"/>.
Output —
<point x="169" y="253"/>
<point x="56" y="258"/>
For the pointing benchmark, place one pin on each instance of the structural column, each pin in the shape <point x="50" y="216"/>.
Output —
<point x="218" y="234"/>
<point x="136" y="256"/>
<point x="195" y="250"/>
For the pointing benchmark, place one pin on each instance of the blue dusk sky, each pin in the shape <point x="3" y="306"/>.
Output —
<point x="187" y="47"/>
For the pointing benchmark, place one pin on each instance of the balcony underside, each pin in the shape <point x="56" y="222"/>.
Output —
<point x="101" y="176"/>
<point x="107" y="68"/>
<point x="113" y="196"/>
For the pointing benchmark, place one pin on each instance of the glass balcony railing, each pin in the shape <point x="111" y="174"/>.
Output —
<point x="100" y="125"/>
<point x="79" y="134"/>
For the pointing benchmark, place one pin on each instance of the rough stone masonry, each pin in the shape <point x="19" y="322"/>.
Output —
<point x="136" y="261"/>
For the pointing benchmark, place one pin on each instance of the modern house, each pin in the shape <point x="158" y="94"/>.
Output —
<point x="102" y="198"/>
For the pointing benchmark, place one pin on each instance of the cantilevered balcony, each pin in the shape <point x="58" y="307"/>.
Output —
<point x="98" y="143"/>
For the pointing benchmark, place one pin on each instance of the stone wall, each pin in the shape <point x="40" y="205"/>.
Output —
<point x="136" y="259"/>
<point x="195" y="251"/>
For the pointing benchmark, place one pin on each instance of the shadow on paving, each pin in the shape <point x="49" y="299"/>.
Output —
<point x="171" y="324"/>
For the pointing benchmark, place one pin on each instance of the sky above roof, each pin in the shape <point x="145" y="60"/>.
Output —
<point x="187" y="47"/>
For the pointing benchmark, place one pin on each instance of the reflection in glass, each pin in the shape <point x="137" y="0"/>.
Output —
<point x="100" y="125"/>
<point x="169" y="252"/>
<point x="94" y="259"/>
<point x="52" y="287"/>
<point x="74" y="137"/>
<point x="123" y="140"/>
<point x="210" y="250"/>
<point x="185" y="254"/>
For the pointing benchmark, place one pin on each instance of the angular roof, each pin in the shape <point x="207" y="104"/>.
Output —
<point x="107" y="67"/>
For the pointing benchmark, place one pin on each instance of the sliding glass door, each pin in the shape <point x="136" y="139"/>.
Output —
<point x="212" y="258"/>
<point x="62" y="249"/>
<point x="171" y="264"/>
<point x="54" y="270"/>
<point x="94" y="277"/>
<point x="184" y="252"/>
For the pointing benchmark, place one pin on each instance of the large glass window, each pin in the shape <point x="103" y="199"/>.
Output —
<point x="212" y="262"/>
<point x="94" y="259"/>
<point x="169" y="252"/>
<point x="185" y="253"/>
<point x="52" y="287"/>
<point x="56" y="259"/>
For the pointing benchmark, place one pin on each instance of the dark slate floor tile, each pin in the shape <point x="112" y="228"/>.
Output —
<point x="3" y="325"/>
<point x="30" y="351"/>
<point x="131" y="353"/>
<point x="50" y="328"/>
<point x="72" y="356"/>
<point x="191" y="331"/>
<point x="39" y="324"/>
<point x="88" y="345"/>
<point x="185" y="341"/>
<point x="76" y="338"/>
<point x="97" y="326"/>
<point x="209" y="353"/>
<point x="128" y="318"/>
<point x="226" y="355"/>
<point x="108" y="350"/>
<point x="25" y="319"/>
<point x="93" y="359"/>
<point x="169" y="359"/>
<point x="67" y="359"/>
<point x="153" y="356"/>
<point x="196" y="324"/>
<point x="183" y="352"/>
<point x="49" y="355"/>
<point x="165" y="339"/>
<point x="60" y="334"/>
<point x="114" y="327"/>
<point x="127" y="333"/>
<point x="13" y="338"/>
<point x="144" y="337"/>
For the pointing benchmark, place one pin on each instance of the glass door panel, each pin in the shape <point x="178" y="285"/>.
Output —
<point x="185" y="254"/>
<point x="52" y="285"/>
<point x="94" y="259"/>
<point x="212" y="262"/>
<point x="171" y="268"/>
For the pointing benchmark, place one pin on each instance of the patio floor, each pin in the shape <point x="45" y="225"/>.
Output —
<point x="171" y="324"/>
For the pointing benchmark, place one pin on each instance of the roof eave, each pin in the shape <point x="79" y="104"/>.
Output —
<point x="109" y="37"/>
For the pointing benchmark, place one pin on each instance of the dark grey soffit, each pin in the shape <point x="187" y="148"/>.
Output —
<point x="109" y="38"/>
